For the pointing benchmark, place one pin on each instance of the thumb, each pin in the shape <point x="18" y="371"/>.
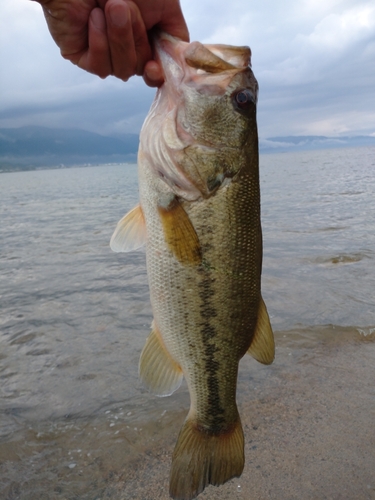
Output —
<point x="173" y="21"/>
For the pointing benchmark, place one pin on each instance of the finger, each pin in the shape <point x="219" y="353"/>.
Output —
<point x="120" y="38"/>
<point x="97" y="58"/>
<point x="173" y="21"/>
<point x="141" y="42"/>
<point x="169" y="18"/>
<point x="153" y="74"/>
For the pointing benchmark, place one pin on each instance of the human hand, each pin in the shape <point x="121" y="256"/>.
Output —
<point x="110" y="37"/>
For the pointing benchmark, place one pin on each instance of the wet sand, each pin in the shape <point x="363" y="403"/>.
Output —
<point x="309" y="426"/>
<point x="309" y="423"/>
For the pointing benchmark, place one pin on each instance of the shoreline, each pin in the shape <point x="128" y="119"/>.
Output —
<point x="308" y="421"/>
<point x="309" y="427"/>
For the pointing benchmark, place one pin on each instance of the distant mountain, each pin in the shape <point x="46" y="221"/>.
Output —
<point x="27" y="148"/>
<point x="33" y="147"/>
<point x="311" y="142"/>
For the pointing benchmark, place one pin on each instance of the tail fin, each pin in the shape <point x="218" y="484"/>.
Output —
<point x="201" y="458"/>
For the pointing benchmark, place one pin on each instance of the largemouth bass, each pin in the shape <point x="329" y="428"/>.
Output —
<point x="199" y="216"/>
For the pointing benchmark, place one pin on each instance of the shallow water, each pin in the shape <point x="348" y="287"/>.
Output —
<point x="319" y="237"/>
<point x="74" y="315"/>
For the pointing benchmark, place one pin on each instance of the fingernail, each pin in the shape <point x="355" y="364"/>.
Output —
<point x="118" y="15"/>
<point x="154" y="74"/>
<point x="97" y="19"/>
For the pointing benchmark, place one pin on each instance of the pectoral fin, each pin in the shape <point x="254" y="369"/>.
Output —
<point x="130" y="232"/>
<point x="179" y="233"/>
<point x="158" y="371"/>
<point x="262" y="347"/>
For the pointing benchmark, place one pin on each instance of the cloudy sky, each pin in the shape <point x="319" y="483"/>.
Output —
<point x="314" y="60"/>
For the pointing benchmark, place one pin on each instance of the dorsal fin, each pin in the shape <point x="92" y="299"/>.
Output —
<point x="262" y="347"/>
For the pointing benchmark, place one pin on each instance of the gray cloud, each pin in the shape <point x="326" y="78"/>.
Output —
<point x="313" y="59"/>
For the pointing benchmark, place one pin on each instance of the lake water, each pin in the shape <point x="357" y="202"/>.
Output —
<point x="75" y="316"/>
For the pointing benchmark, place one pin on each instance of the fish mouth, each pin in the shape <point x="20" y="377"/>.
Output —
<point x="195" y="59"/>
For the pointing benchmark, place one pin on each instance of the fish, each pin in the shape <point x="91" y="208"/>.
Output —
<point x="199" y="218"/>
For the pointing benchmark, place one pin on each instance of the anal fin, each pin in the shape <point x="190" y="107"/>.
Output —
<point x="158" y="371"/>
<point x="179" y="233"/>
<point x="262" y="347"/>
<point x="130" y="232"/>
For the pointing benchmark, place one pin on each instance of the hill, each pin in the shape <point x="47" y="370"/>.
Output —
<point x="29" y="148"/>
<point x="311" y="142"/>
<point x="35" y="147"/>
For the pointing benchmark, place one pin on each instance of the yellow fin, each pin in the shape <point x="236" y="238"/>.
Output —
<point x="179" y="233"/>
<point x="157" y="369"/>
<point x="201" y="458"/>
<point x="262" y="347"/>
<point x="130" y="232"/>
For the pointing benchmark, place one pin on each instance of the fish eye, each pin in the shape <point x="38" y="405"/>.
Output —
<point x="244" y="101"/>
<point x="242" y="97"/>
